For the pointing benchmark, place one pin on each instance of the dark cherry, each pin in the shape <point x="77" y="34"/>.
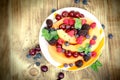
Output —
<point x="71" y="13"/>
<point x="58" y="17"/>
<point x="75" y="31"/>
<point x="79" y="63"/>
<point x="67" y="30"/>
<point x="44" y="68"/>
<point x="68" y="54"/>
<point x="81" y="53"/>
<point x="75" y="54"/>
<point x="85" y="27"/>
<point x="77" y="14"/>
<point x="37" y="48"/>
<point x="32" y="52"/>
<point x="86" y="57"/>
<point x="82" y="32"/>
<point x="60" y="75"/>
<point x="64" y="14"/>
<point x="52" y="41"/>
<point x="58" y="45"/>
<point x="62" y="26"/>
<point x="82" y="16"/>
<point x="49" y="23"/>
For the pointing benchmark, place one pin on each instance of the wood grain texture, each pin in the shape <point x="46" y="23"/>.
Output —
<point x="20" y="21"/>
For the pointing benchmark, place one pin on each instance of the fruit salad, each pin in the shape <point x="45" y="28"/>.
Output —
<point x="74" y="40"/>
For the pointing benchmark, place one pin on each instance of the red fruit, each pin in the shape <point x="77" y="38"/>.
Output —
<point x="66" y="21"/>
<point x="82" y="16"/>
<point x="71" y="13"/>
<point x="58" y="45"/>
<point x="32" y="52"/>
<point x="64" y="14"/>
<point x="71" y="21"/>
<point x="79" y="40"/>
<point x="59" y="49"/>
<point x="71" y="33"/>
<point x="77" y="14"/>
<point x="93" y="25"/>
<point x="75" y="54"/>
<point x="94" y="54"/>
<point x="84" y="21"/>
<point x="92" y="42"/>
<point x="58" y="17"/>
<point x="62" y="26"/>
<point x="60" y="41"/>
<point x="68" y="54"/>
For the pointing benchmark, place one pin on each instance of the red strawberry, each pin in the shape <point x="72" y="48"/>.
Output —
<point x="66" y="21"/>
<point x="71" y="33"/>
<point x="60" y="41"/>
<point x="79" y="40"/>
<point x="84" y="21"/>
<point x="71" y="21"/>
<point x="92" y="42"/>
<point x="93" y="25"/>
<point x="59" y="49"/>
<point x="94" y="54"/>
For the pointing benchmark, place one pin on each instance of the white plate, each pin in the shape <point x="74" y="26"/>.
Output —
<point x="44" y="44"/>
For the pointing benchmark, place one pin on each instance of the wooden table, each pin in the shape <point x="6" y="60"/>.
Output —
<point x="20" y="21"/>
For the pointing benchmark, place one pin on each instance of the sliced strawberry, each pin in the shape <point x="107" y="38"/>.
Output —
<point x="71" y="33"/>
<point x="79" y="40"/>
<point x="59" y="49"/>
<point x="84" y="21"/>
<point x="60" y="41"/>
<point x="71" y="21"/>
<point x="92" y="42"/>
<point x="93" y="54"/>
<point x="93" y="25"/>
<point x="66" y="21"/>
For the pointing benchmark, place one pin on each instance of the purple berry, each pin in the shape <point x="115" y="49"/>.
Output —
<point x="94" y="37"/>
<point x="103" y="26"/>
<point x="44" y="68"/>
<point x="60" y="75"/>
<point x="110" y="36"/>
<point x="65" y="65"/>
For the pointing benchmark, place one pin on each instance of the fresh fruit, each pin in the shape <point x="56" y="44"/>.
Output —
<point x="58" y="45"/>
<point x="75" y="54"/>
<point x="71" y="64"/>
<point x="52" y="41"/>
<point x="60" y="41"/>
<point x="60" y="75"/>
<point x="77" y="14"/>
<point x="37" y="63"/>
<point x="59" y="49"/>
<point x="93" y="25"/>
<point x="28" y="56"/>
<point x="92" y="42"/>
<point x="62" y="26"/>
<point x="44" y="68"/>
<point x="71" y="21"/>
<point x="66" y="21"/>
<point x="93" y="54"/>
<point x="58" y="17"/>
<point x="71" y="13"/>
<point x="49" y="23"/>
<point x="85" y="2"/>
<point x="65" y="65"/>
<point x="79" y="63"/>
<point x="103" y="26"/>
<point x="84" y="21"/>
<point x="32" y="52"/>
<point x="67" y="43"/>
<point x="82" y="16"/>
<point x="38" y="55"/>
<point x="64" y="14"/>
<point x="80" y="39"/>
<point x="77" y="1"/>
<point x="94" y="37"/>
<point x="68" y="54"/>
<point x="110" y="36"/>
<point x="81" y="53"/>
<point x="71" y="33"/>
<point x="82" y="32"/>
<point x="86" y="58"/>
<point x="85" y="27"/>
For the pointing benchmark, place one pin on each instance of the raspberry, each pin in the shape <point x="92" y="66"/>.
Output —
<point x="71" y="22"/>
<point x="94" y="54"/>
<point x="79" y="40"/>
<point x="92" y="42"/>
<point x="93" y="25"/>
<point x="71" y="33"/>
<point x="66" y="21"/>
<point x="60" y="41"/>
<point x="59" y="49"/>
<point x="84" y="21"/>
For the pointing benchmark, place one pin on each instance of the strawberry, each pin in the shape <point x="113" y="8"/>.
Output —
<point x="71" y="33"/>
<point x="92" y="42"/>
<point x="93" y="25"/>
<point x="66" y="21"/>
<point x="79" y="40"/>
<point x="71" y="21"/>
<point x="60" y="41"/>
<point x="59" y="49"/>
<point x="93" y="54"/>
<point x="84" y="21"/>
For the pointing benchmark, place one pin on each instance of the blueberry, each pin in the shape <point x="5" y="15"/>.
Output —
<point x="86" y="57"/>
<point x="110" y="36"/>
<point x="79" y="63"/>
<point x="77" y="1"/>
<point x="103" y="26"/>
<point x="35" y="58"/>
<point x="94" y="37"/>
<point x="66" y="43"/>
<point x="28" y="56"/>
<point x="71" y="64"/>
<point x="37" y="63"/>
<point x="53" y="10"/>
<point x="65" y="65"/>
<point x="60" y="75"/>
<point x="85" y="2"/>
<point x="87" y="36"/>
<point x="38" y="55"/>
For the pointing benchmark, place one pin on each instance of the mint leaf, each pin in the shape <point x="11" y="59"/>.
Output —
<point x="78" y="24"/>
<point x="98" y="63"/>
<point x="56" y="37"/>
<point x="80" y="49"/>
<point x="87" y="45"/>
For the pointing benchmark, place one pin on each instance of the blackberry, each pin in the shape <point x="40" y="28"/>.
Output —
<point x="86" y="57"/>
<point x="82" y="32"/>
<point x="52" y="41"/>
<point x="49" y="23"/>
<point x="85" y="27"/>
<point x="79" y="63"/>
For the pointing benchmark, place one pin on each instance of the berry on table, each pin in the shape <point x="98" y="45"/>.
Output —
<point x="44" y="68"/>
<point x="60" y="75"/>
<point x="77" y="1"/>
<point x="103" y="26"/>
<point x="37" y="63"/>
<point x="38" y="55"/>
<point x="93" y="54"/>
<point x="53" y="10"/>
<point x="110" y="36"/>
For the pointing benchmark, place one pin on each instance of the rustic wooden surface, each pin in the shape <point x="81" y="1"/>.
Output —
<point x="20" y="21"/>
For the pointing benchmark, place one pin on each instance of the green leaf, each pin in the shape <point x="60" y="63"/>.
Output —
<point x="53" y="33"/>
<point x="98" y="63"/>
<point x="56" y="37"/>
<point x="78" y="24"/>
<point x="87" y="45"/>
<point x="80" y="49"/>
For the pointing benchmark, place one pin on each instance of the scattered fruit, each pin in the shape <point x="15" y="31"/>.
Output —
<point x="103" y="26"/>
<point x="53" y="10"/>
<point x="49" y="23"/>
<point x="28" y="56"/>
<point x="84" y="21"/>
<point x="32" y="52"/>
<point x="71" y="13"/>
<point x="79" y="63"/>
<point x="93" y="54"/>
<point x="60" y="41"/>
<point x="60" y="75"/>
<point x="93" y="25"/>
<point x="37" y="63"/>
<point x="44" y="68"/>
<point x="58" y="17"/>
<point x="71" y="33"/>
<point x="59" y="49"/>
<point x="110" y="36"/>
